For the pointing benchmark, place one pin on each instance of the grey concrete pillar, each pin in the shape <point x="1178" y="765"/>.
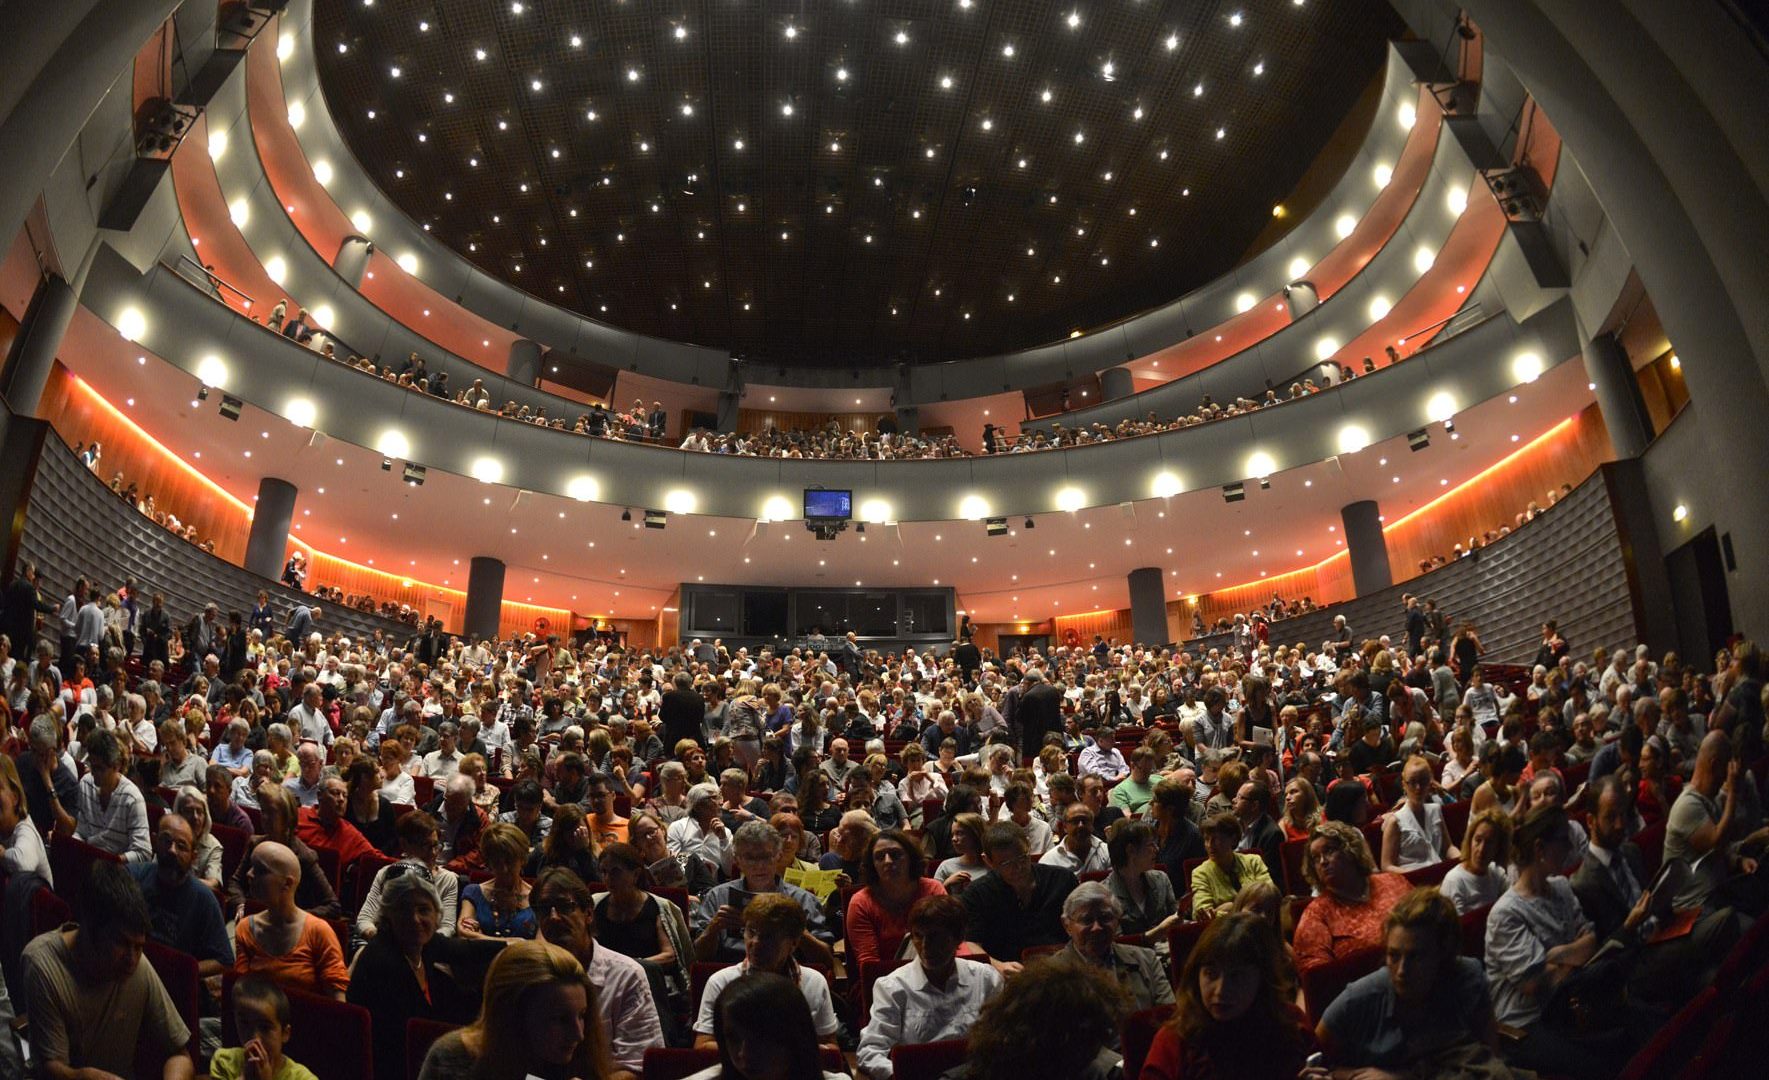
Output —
<point x="1618" y="396"/>
<point x="1148" y="606"/>
<point x="39" y="339"/>
<point x="77" y="62"/>
<point x="1115" y="383"/>
<point x="525" y="362"/>
<point x="727" y="412"/>
<point x="269" y="538"/>
<point x="1366" y="546"/>
<point x="908" y="420"/>
<point x="485" y="597"/>
<point x="352" y="261"/>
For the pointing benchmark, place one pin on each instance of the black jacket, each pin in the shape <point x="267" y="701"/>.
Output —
<point x="19" y="617"/>
<point x="1041" y="710"/>
<point x="1599" y="894"/>
<point x="683" y="713"/>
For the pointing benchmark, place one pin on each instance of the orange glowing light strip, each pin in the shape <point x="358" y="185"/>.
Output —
<point x="1410" y="515"/>
<point x="245" y="508"/>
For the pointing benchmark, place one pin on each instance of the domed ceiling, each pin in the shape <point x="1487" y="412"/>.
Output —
<point x="846" y="182"/>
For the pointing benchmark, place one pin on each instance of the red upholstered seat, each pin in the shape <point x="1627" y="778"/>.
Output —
<point x="927" y="1061"/>
<point x="178" y="974"/>
<point x="1181" y="939"/>
<point x="333" y="1038"/>
<point x="233" y="847"/>
<point x="1474" y="933"/>
<point x="420" y="1035"/>
<point x="1322" y="983"/>
<point x="1429" y="875"/>
<point x="1290" y="861"/>
<point x="1455" y="819"/>
<point x="1678" y="1040"/>
<point x="1138" y="1035"/>
<point x="670" y="1063"/>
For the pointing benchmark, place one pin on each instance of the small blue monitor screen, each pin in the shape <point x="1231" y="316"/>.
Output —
<point x="832" y="505"/>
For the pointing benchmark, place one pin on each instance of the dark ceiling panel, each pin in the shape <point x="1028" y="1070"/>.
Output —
<point x="655" y="179"/>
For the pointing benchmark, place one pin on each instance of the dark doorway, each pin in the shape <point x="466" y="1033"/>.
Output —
<point x="1698" y="592"/>
<point x="1007" y="643"/>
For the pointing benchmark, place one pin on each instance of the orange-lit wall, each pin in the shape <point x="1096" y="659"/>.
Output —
<point x="755" y="420"/>
<point x="79" y="415"/>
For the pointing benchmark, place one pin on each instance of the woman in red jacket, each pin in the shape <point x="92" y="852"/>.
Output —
<point x="878" y="915"/>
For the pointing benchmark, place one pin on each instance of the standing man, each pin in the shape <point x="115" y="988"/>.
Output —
<point x="23" y="603"/>
<point x="1415" y="626"/>
<point x="683" y="711"/>
<point x="68" y="622"/>
<point x="1040" y="711"/>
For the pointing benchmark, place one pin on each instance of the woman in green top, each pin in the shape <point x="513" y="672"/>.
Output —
<point x="261" y="1020"/>
<point x="1223" y="874"/>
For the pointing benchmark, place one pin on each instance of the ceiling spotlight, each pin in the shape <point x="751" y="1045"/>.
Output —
<point x="902" y="38"/>
<point x="791" y="32"/>
<point x="681" y="32"/>
<point x="655" y="519"/>
<point x="1030" y="524"/>
<point x="1108" y="71"/>
<point x="1418" y="440"/>
<point x="386" y="464"/>
<point x="632" y="74"/>
<point x="841" y="74"/>
<point x="1235" y="492"/>
<point x="626" y="515"/>
<point x="1007" y="50"/>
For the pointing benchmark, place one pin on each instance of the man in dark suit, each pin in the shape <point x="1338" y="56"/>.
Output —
<point x="1611" y="888"/>
<point x="301" y="621"/>
<point x="1260" y="835"/>
<point x="683" y="711"/>
<point x="657" y="421"/>
<point x="22" y="603"/>
<point x="1040" y="710"/>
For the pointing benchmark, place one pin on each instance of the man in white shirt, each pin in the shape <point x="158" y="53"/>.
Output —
<point x="773" y="924"/>
<point x="563" y="906"/>
<point x="935" y="997"/>
<point x="702" y="832"/>
<point x="1080" y="851"/>
<point x="306" y="783"/>
<point x="1103" y="757"/>
<point x="443" y="761"/>
<point x="308" y="719"/>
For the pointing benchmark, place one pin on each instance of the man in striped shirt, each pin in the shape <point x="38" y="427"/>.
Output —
<point x="111" y="813"/>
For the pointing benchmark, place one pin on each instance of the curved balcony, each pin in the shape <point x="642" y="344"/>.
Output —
<point x="1356" y="199"/>
<point x="221" y="348"/>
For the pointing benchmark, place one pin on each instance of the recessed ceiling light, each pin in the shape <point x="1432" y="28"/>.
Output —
<point x="681" y="32"/>
<point x="988" y="124"/>
<point x="1235" y="19"/>
<point x="687" y="109"/>
<point x="1007" y="50"/>
<point x="786" y="109"/>
<point x="791" y="32"/>
<point x="737" y="144"/>
<point x="1198" y="90"/>
<point x="945" y="82"/>
<point x="393" y="72"/>
<point x="902" y="38"/>
<point x="478" y="54"/>
<point x="1220" y="132"/>
<point x="1080" y="138"/>
<point x="632" y="74"/>
<point x="576" y="42"/>
<point x="1022" y="163"/>
<point x="841" y="74"/>
<point x="1172" y="42"/>
<point x="1109" y="70"/>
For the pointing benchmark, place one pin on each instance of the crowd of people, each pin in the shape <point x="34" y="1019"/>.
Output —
<point x="540" y="840"/>
<point x="143" y="501"/>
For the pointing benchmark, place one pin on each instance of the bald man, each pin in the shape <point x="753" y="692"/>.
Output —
<point x="1702" y="819"/>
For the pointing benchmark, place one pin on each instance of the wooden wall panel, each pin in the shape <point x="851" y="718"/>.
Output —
<point x="755" y="420"/>
<point x="1107" y="624"/>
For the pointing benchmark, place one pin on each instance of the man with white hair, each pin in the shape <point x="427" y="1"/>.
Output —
<point x="309" y="718"/>
<point x="460" y="823"/>
<point x="144" y="738"/>
<point x="1091" y="915"/>
<point x="702" y="832"/>
<point x="305" y="783"/>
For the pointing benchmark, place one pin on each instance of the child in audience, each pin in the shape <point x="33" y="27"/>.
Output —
<point x="261" y="1020"/>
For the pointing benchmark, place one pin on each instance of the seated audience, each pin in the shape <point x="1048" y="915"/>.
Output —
<point x="261" y="1022"/>
<point x="193" y="806"/>
<point x="1425" y="1012"/>
<point x="967" y="865"/>
<point x="1302" y="809"/>
<point x="1234" y="1012"/>
<point x="1091" y="915"/>
<point x="418" y="847"/>
<point x="21" y="843"/>
<point x="95" y="1007"/>
<point x="111" y="813"/>
<point x="294" y="948"/>
<point x="1020" y="903"/>
<point x="186" y="915"/>
<point x="314" y="893"/>
<point x="498" y="908"/>
<point x="773" y="928"/>
<point x="764" y="1029"/>
<point x="1015" y="1037"/>
<point x="404" y="973"/>
<point x="1537" y="937"/>
<point x="1219" y="877"/>
<point x="539" y="1016"/>
<point x="1144" y="894"/>
<point x="1352" y="899"/>
<point x="936" y="996"/>
<point x="1177" y="836"/>
<point x="717" y="920"/>
<point x="370" y="810"/>
<point x="1079" y="851"/>
<point x="323" y="825"/>
<point x="566" y="914"/>
<point x="701" y="832"/>
<point x="1414" y="836"/>
<point x="1480" y="878"/>
<point x="891" y="883"/>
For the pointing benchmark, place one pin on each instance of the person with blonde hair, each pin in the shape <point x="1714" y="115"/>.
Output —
<point x="1480" y="878"/>
<point x="538" y="1018"/>
<point x="499" y="908"/>
<point x="21" y="843"/>
<point x="1414" y="835"/>
<point x="1351" y="900"/>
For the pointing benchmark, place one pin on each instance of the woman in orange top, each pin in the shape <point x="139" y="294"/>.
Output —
<point x="1353" y="899"/>
<point x="1302" y="809"/>
<point x="294" y="949"/>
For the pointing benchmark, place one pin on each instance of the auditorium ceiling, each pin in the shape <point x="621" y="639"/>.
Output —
<point x="582" y="556"/>
<point x="846" y="181"/>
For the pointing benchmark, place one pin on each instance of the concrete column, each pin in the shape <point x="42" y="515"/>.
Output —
<point x="39" y="339"/>
<point x="1618" y="396"/>
<point x="908" y="420"/>
<point x="525" y="362"/>
<point x="1115" y="383"/>
<point x="1366" y="546"/>
<point x="269" y="538"/>
<point x="1148" y="606"/>
<point x="76" y="63"/>
<point x="352" y="261"/>
<point x="485" y="597"/>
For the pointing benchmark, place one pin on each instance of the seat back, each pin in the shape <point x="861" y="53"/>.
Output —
<point x="1677" y="1041"/>
<point x="1182" y="938"/>
<point x="869" y="973"/>
<point x="424" y="788"/>
<point x="1429" y="875"/>
<point x="69" y="861"/>
<point x="1455" y="819"/>
<point x="48" y="912"/>
<point x="1650" y="841"/>
<point x="927" y="1061"/>
<point x="1138" y="1035"/>
<point x="178" y="974"/>
<point x="420" y="1035"/>
<point x="673" y="1063"/>
<point x="1290" y="861"/>
<point x="329" y="864"/>
<point x="1039" y="952"/>
<point x="332" y="1038"/>
<point x="1474" y="933"/>
<point x="697" y="978"/>
<point x="1324" y="982"/>
<point x="233" y="848"/>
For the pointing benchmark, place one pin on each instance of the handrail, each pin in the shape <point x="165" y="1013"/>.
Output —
<point x="217" y="280"/>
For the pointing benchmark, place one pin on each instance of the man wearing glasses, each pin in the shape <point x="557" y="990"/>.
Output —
<point x="1020" y="903"/>
<point x="1080" y="852"/>
<point x="562" y="905"/>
